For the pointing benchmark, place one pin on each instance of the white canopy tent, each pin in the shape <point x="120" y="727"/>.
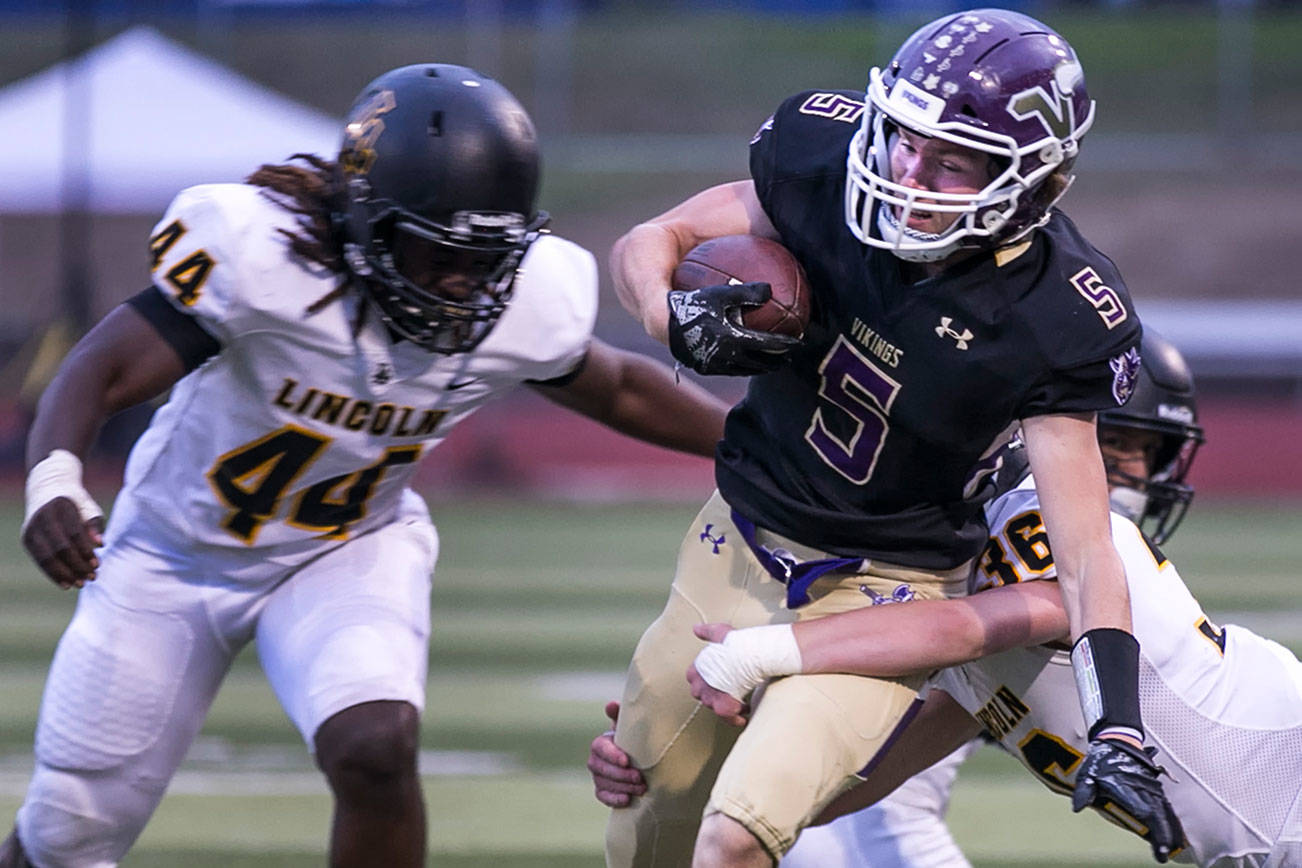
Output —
<point x="152" y="117"/>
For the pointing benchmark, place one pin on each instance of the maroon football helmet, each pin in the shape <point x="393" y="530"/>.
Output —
<point x="991" y="80"/>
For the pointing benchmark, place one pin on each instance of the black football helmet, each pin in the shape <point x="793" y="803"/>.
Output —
<point x="450" y="158"/>
<point x="1163" y="401"/>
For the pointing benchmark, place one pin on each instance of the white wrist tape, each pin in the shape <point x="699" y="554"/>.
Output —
<point x="747" y="658"/>
<point x="59" y="475"/>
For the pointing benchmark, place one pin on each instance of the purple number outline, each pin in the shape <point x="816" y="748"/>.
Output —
<point x="844" y="367"/>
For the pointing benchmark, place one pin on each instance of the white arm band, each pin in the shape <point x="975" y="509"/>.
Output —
<point x="747" y="658"/>
<point x="59" y="475"/>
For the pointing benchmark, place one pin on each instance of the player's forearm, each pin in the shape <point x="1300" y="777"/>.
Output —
<point x="121" y="362"/>
<point x="1073" y="489"/>
<point x="70" y="411"/>
<point x="681" y="415"/>
<point x="641" y="263"/>
<point x="1094" y="589"/>
<point x="924" y="635"/>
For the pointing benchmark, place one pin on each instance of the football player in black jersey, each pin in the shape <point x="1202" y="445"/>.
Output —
<point x="953" y="304"/>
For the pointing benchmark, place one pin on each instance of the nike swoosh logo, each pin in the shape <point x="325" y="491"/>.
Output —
<point x="453" y="386"/>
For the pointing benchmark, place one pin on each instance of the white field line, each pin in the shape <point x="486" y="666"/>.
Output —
<point x="216" y="767"/>
<point x="282" y="772"/>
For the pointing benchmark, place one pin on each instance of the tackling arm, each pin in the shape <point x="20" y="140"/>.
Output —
<point x="638" y="396"/>
<point x="883" y="641"/>
<point x="642" y="261"/>
<point x="930" y="634"/>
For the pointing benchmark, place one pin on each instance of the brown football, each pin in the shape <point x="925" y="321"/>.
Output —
<point x="748" y="259"/>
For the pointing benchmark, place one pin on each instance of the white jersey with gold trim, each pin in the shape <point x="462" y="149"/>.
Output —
<point x="1222" y="705"/>
<point x="305" y="431"/>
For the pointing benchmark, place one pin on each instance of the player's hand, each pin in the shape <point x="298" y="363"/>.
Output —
<point x="62" y="544"/>
<point x="613" y="777"/>
<point x="731" y="708"/>
<point x="1119" y="772"/>
<point x="705" y="333"/>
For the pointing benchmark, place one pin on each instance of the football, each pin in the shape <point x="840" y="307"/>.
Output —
<point x="747" y="259"/>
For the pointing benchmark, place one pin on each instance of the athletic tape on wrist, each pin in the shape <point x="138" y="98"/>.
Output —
<point x="59" y="475"/>
<point x="1106" y="664"/>
<point x="747" y="658"/>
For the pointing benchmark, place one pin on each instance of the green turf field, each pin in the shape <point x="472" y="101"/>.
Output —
<point x="537" y="608"/>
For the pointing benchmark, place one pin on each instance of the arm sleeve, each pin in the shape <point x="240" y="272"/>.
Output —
<point x="194" y="345"/>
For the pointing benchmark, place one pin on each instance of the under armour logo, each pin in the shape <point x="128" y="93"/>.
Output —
<point x="945" y="331"/>
<point x="901" y="594"/>
<point x="706" y="536"/>
<point x="383" y="374"/>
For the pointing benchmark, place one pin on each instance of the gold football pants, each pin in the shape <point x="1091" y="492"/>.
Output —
<point x="808" y="734"/>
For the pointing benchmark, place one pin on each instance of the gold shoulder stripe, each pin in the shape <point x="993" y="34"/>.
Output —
<point x="1005" y="255"/>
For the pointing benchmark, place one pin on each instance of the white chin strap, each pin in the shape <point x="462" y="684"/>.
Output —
<point x="1128" y="502"/>
<point x="893" y="233"/>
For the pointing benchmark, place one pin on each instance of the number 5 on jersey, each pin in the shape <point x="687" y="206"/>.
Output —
<point x="860" y="396"/>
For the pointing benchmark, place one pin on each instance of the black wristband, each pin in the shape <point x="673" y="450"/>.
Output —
<point x="1106" y="664"/>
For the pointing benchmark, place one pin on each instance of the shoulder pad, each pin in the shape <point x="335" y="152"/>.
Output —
<point x="549" y="320"/>
<point x="204" y="242"/>
<point x="809" y="132"/>
<point x="1078" y="307"/>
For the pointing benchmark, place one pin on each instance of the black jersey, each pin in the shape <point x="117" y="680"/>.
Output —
<point x="876" y="440"/>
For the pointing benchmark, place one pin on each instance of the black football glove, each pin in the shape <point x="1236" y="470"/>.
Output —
<point x="1118" y="772"/>
<point x="705" y="332"/>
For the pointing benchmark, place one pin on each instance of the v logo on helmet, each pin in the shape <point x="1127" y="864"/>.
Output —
<point x="1054" y="110"/>
<point x="363" y="129"/>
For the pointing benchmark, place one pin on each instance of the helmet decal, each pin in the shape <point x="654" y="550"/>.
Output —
<point x="1181" y="413"/>
<point x="1054" y="110"/>
<point x="357" y="154"/>
<point x="913" y="102"/>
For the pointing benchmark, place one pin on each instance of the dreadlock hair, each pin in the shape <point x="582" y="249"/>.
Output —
<point x="311" y="192"/>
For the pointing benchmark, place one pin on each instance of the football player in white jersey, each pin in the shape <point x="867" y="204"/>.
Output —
<point x="1222" y="705"/>
<point x="321" y="328"/>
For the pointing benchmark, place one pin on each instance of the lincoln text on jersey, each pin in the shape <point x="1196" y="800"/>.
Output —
<point x="355" y="414"/>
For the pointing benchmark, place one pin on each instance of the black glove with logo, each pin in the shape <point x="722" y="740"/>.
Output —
<point x="706" y="335"/>
<point x="1118" y="772"/>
